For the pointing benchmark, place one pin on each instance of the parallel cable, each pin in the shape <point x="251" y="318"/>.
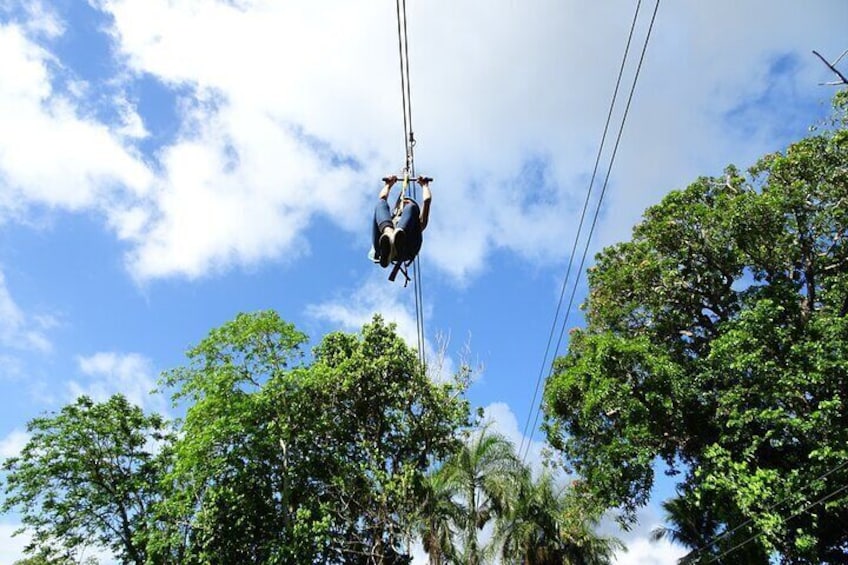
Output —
<point x="408" y="86"/>
<point x="416" y="265"/>
<point x="409" y="164"/>
<point x="804" y="510"/>
<point x="604" y="187"/>
<point x="402" y="77"/>
<point x="537" y="408"/>
<point x="579" y="229"/>
<point x="769" y="508"/>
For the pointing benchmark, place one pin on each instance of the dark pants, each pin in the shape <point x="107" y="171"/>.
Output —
<point x="409" y="222"/>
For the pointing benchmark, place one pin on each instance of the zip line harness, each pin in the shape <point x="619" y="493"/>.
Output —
<point x="401" y="265"/>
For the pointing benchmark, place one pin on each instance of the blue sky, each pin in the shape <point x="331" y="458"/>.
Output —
<point x="166" y="165"/>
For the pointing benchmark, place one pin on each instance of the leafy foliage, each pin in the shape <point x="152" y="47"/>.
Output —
<point x="482" y="474"/>
<point x="341" y="459"/>
<point x="279" y="461"/>
<point x="535" y="522"/>
<point x="547" y="524"/>
<point x="437" y="518"/>
<point x="696" y="526"/>
<point x="716" y="341"/>
<point x="87" y="475"/>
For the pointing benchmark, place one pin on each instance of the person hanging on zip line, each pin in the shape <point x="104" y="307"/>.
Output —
<point x="398" y="238"/>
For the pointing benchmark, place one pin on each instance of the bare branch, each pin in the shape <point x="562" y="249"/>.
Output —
<point x="832" y="67"/>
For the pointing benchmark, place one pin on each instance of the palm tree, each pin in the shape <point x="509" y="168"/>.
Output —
<point x="696" y="526"/>
<point x="436" y="515"/>
<point x="482" y="476"/>
<point x="692" y="527"/>
<point x="529" y="532"/>
<point x="583" y="545"/>
<point x="546" y="525"/>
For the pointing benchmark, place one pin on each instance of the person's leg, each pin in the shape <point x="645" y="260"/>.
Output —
<point x="408" y="232"/>
<point x="382" y="220"/>
<point x="381" y="241"/>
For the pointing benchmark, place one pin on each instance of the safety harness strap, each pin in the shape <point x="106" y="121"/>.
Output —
<point x="400" y="267"/>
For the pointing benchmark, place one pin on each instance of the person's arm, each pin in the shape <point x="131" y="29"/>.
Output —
<point x="390" y="181"/>
<point x="425" y="206"/>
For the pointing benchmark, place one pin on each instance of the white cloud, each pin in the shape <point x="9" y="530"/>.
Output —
<point x="50" y="155"/>
<point x="18" y="330"/>
<point x="39" y="20"/>
<point x="11" y="548"/>
<point x="131" y="124"/>
<point x="503" y="421"/>
<point x="478" y="122"/>
<point x="645" y="552"/>
<point x="291" y="110"/>
<point x="11" y="314"/>
<point x="245" y="176"/>
<point x="243" y="186"/>
<point x="419" y="556"/>
<point x="111" y="373"/>
<point x="221" y="204"/>
<point x="12" y="444"/>
<point x="11" y="368"/>
<point x="392" y="302"/>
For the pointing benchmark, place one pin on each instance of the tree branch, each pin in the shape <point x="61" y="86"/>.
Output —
<point x="832" y="68"/>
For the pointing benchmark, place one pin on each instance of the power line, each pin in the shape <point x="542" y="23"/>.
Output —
<point x="579" y="230"/>
<point x="537" y="408"/>
<point x="606" y="182"/>
<point x="805" y="509"/>
<point x="736" y="528"/>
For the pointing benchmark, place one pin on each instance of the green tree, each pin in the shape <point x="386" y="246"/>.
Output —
<point x="87" y="476"/>
<point x="694" y="525"/>
<point x="529" y="531"/>
<point x="281" y="461"/>
<point x="228" y="493"/>
<point x="437" y="515"/>
<point x="717" y="341"/>
<point x="546" y="524"/>
<point x="41" y="560"/>
<point x="483" y="475"/>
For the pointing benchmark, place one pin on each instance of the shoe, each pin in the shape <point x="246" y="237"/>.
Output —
<point x="399" y="243"/>
<point x="385" y="250"/>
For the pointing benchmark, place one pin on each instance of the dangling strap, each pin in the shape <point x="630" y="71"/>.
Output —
<point x="400" y="267"/>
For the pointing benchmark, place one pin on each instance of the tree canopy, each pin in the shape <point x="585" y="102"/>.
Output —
<point x="277" y="459"/>
<point x="280" y="460"/>
<point x="88" y="475"/>
<point x="342" y="456"/>
<point x="716" y="340"/>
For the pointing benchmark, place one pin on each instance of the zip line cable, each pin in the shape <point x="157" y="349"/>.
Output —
<point x="403" y="77"/>
<point x="409" y="164"/>
<point x="537" y="408"/>
<point x="736" y="528"/>
<point x="804" y="510"/>
<point x="579" y="229"/>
